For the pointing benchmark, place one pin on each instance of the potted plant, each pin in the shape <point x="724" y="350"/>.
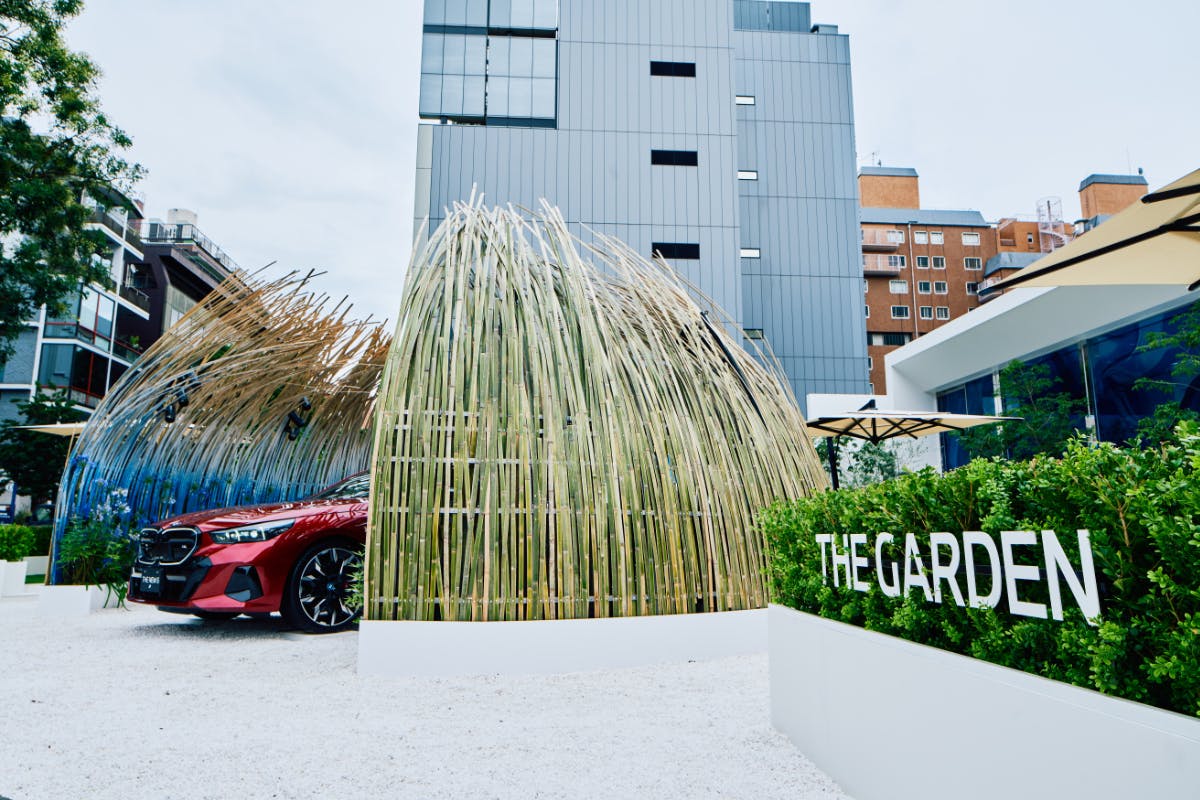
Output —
<point x="16" y="542"/>
<point x="95" y="555"/>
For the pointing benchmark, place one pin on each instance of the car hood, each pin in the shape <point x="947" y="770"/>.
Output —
<point x="220" y="518"/>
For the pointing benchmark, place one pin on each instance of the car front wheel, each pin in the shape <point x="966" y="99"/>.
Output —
<point x="316" y="600"/>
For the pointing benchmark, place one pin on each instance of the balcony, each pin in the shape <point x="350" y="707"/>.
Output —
<point x="881" y="240"/>
<point x="117" y="224"/>
<point x="189" y="237"/>
<point x="136" y="296"/>
<point x="882" y="264"/>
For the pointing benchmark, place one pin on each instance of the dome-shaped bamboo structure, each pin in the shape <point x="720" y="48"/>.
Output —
<point x="563" y="432"/>
<point x="262" y="392"/>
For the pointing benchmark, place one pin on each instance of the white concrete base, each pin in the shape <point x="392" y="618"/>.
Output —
<point x="73" y="601"/>
<point x="892" y="720"/>
<point x="12" y="579"/>
<point x="443" y="649"/>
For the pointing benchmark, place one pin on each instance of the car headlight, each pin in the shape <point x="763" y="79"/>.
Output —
<point x="251" y="533"/>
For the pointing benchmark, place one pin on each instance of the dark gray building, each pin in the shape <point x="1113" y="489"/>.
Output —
<point x="717" y="132"/>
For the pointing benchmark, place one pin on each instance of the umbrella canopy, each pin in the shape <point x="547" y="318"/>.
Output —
<point x="58" y="428"/>
<point x="1154" y="241"/>
<point x="876" y="425"/>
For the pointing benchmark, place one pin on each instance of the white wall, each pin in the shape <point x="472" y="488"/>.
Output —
<point x="892" y="720"/>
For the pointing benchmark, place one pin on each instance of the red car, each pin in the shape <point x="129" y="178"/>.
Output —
<point x="295" y="558"/>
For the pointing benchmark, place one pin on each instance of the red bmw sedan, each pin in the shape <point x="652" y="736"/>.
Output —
<point x="294" y="558"/>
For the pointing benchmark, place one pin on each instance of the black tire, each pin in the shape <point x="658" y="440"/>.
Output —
<point x="314" y="600"/>
<point x="216" y="616"/>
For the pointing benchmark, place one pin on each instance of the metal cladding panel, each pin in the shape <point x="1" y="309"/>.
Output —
<point x="612" y="112"/>
<point x="805" y="291"/>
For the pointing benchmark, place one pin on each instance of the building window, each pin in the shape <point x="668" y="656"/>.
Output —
<point x="870" y="363"/>
<point x="941" y="287"/>
<point x="673" y="69"/>
<point x="897" y="261"/>
<point x="943" y="312"/>
<point x="972" y="287"/>
<point x="935" y="237"/>
<point x="970" y="239"/>
<point x="926" y="312"/>
<point x="866" y="286"/>
<point x="895" y="237"/>
<point x="924" y="287"/>
<point x="939" y="262"/>
<point x="1029" y="238"/>
<point x="754" y="333"/>
<point x="680" y="250"/>
<point x="898" y="287"/>
<point x="973" y="263"/>
<point x="867" y="312"/>
<point x="899" y="312"/>
<point x="675" y="158"/>
<point x="889" y="339"/>
<point x="920" y="237"/>
<point x="750" y="252"/>
<point x="744" y="100"/>
<point x="922" y="262"/>
<point x="747" y="175"/>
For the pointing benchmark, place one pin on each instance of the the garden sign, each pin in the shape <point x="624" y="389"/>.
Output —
<point x="845" y="556"/>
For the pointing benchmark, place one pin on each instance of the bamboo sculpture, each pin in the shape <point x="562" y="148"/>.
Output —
<point x="263" y="392"/>
<point x="563" y="432"/>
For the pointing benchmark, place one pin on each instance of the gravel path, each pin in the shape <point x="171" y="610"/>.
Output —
<point x="144" y="705"/>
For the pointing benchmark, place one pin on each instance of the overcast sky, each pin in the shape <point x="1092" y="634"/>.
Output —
<point x="289" y="126"/>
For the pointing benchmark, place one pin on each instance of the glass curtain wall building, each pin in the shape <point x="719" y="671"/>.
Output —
<point x="1120" y="375"/>
<point x="718" y="133"/>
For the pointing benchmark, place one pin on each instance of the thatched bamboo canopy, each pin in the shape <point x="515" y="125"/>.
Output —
<point x="263" y="392"/>
<point x="565" y="431"/>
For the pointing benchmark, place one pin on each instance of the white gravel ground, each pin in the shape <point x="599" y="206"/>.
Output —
<point x="144" y="705"/>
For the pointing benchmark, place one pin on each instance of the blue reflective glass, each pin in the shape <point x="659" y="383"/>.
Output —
<point x="431" y="52"/>
<point x="543" y="98"/>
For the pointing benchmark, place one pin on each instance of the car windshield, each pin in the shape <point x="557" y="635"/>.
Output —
<point x="356" y="487"/>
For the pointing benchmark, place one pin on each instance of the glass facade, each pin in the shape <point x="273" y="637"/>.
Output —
<point x="1105" y="371"/>
<point x="490" y="63"/>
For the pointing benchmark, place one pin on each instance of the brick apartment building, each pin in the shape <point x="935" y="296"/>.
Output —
<point x="925" y="267"/>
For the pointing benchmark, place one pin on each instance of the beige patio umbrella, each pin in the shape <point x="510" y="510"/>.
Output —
<point x="71" y="429"/>
<point x="1154" y="241"/>
<point x="875" y="425"/>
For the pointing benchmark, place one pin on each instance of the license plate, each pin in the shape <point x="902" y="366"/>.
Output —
<point x="151" y="582"/>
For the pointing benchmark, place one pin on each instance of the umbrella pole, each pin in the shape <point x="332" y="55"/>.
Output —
<point x="833" y="461"/>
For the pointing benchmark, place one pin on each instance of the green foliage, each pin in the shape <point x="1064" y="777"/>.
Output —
<point x="1187" y="364"/>
<point x="1142" y="507"/>
<point x="1049" y="418"/>
<point x="56" y="148"/>
<point x="98" y="549"/>
<point x="35" y="460"/>
<point x="860" y="463"/>
<point x="16" y="542"/>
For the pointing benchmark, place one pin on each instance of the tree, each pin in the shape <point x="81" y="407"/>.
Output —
<point x="1049" y="419"/>
<point x="35" y="460"/>
<point x="1158" y="429"/>
<point x="56" y="148"/>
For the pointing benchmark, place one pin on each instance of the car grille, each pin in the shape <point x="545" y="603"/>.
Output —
<point x="168" y="546"/>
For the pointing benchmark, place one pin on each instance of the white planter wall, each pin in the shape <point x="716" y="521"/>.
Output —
<point x="443" y="649"/>
<point x="36" y="565"/>
<point x="73" y="601"/>
<point x="12" y="579"/>
<point x="893" y="720"/>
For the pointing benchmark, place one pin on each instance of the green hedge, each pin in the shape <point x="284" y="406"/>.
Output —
<point x="17" y="541"/>
<point x="1142" y="508"/>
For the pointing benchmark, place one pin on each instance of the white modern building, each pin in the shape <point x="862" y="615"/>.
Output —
<point x="718" y="133"/>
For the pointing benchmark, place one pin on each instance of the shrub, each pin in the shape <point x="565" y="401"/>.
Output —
<point x="16" y="542"/>
<point x="1142" y="508"/>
